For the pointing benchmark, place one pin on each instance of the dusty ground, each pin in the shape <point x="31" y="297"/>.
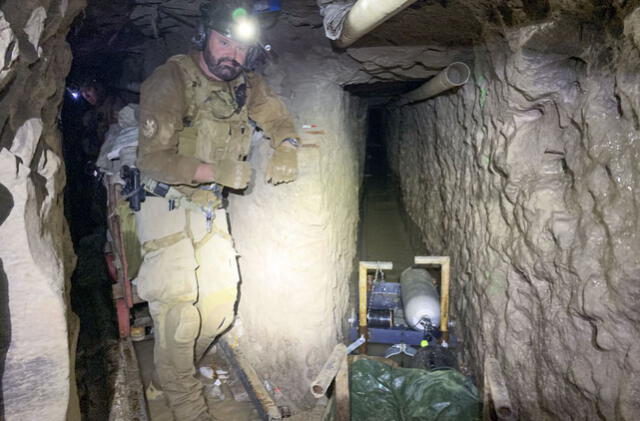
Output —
<point x="227" y="409"/>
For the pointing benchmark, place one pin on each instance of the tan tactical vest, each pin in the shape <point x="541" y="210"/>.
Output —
<point x="214" y="127"/>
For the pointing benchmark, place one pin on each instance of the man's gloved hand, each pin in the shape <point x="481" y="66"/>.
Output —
<point x="232" y="173"/>
<point x="283" y="165"/>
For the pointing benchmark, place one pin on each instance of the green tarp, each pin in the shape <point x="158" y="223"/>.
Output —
<point x="383" y="393"/>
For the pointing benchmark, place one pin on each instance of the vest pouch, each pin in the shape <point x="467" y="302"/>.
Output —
<point x="221" y="104"/>
<point x="220" y="130"/>
<point x="187" y="141"/>
<point x="241" y="135"/>
<point x="132" y="253"/>
<point x="168" y="274"/>
<point x="212" y="140"/>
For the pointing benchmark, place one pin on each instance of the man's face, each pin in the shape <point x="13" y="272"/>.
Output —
<point x="224" y="57"/>
<point x="90" y="94"/>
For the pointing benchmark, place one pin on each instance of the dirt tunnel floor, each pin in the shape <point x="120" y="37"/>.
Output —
<point x="235" y="406"/>
<point x="383" y="234"/>
<point x="228" y="409"/>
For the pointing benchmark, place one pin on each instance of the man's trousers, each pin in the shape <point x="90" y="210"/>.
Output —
<point x="190" y="278"/>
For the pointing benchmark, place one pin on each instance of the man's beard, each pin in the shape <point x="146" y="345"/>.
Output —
<point x="224" y="68"/>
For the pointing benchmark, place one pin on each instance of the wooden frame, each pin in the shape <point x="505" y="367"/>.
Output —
<point x="363" y="268"/>
<point x="444" y="262"/>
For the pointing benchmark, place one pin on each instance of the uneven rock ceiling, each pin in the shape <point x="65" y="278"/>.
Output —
<point x="111" y="28"/>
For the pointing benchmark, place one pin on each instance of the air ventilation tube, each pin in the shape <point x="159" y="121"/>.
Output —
<point x="455" y="74"/>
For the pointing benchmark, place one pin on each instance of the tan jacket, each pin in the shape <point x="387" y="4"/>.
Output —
<point x="164" y="108"/>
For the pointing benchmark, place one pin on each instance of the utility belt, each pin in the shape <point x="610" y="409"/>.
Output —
<point x="203" y="199"/>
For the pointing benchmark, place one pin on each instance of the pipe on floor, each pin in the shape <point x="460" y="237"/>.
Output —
<point x="496" y="394"/>
<point x="264" y="404"/>
<point x="455" y="74"/>
<point x="329" y="371"/>
<point x="366" y="15"/>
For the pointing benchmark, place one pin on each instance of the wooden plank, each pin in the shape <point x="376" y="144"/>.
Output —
<point x="343" y="401"/>
<point x="329" y="410"/>
<point x="363" y="267"/>
<point x="362" y="298"/>
<point x="444" y="296"/>
<point x="445" y="267"/>
<point x="377" y="265"/>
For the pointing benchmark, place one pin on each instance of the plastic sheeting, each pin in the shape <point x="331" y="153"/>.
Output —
<point x="334" y="14"/>
<point x="383" y="393"/>
<point x="121" y="143"/>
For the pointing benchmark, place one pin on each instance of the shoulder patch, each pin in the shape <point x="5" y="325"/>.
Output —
<point x="149" y="127"/>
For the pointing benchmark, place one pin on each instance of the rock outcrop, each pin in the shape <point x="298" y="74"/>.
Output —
<point x="38" y="328"/>
<point x="529" y="178"/>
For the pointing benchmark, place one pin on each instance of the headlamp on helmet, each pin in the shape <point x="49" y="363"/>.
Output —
<point x="74" y="92"/>
<point x="232" y="19"/>
<point x="244" y="28"/>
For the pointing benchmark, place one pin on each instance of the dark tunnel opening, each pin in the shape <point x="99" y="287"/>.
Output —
<point x="376" y="160"/>
<point x="388" y="234"/>
<point x="100" y="83"/>
<point x="381" y="186"/>
<point x="83" y="129"/>
<point x="377" y="96"/>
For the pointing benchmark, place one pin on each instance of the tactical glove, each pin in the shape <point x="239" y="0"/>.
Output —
<point x="283" y="165"/>
<point x="232" y="173"/>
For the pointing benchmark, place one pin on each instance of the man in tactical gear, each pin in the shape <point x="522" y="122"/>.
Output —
<point x="195" y="133"/>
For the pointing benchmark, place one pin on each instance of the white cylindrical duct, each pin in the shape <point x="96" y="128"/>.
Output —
<point x="455" y="74"/>
<point x="366" y="15"/>
<point x="420" y="298"/>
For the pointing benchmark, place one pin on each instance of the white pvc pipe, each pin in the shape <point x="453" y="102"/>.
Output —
<point x="366" y="15"/>
<point x="455" y="74"/>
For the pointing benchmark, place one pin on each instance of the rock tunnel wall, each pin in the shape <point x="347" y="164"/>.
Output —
<point x="38" y="330"/>
<point x="297" y="241"/>
<point x="529" y="178"/>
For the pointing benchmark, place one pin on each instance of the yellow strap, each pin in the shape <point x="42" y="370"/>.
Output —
<point x="163" y="242"/>
<point x="208" y="236"/>
<point x="218" y="297"/>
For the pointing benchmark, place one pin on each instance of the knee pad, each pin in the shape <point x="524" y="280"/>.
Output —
<point x="186" y="319"/>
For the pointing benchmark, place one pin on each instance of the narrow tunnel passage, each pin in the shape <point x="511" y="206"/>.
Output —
<point x="388" y="234"/>
<point x="383" y="235"/>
